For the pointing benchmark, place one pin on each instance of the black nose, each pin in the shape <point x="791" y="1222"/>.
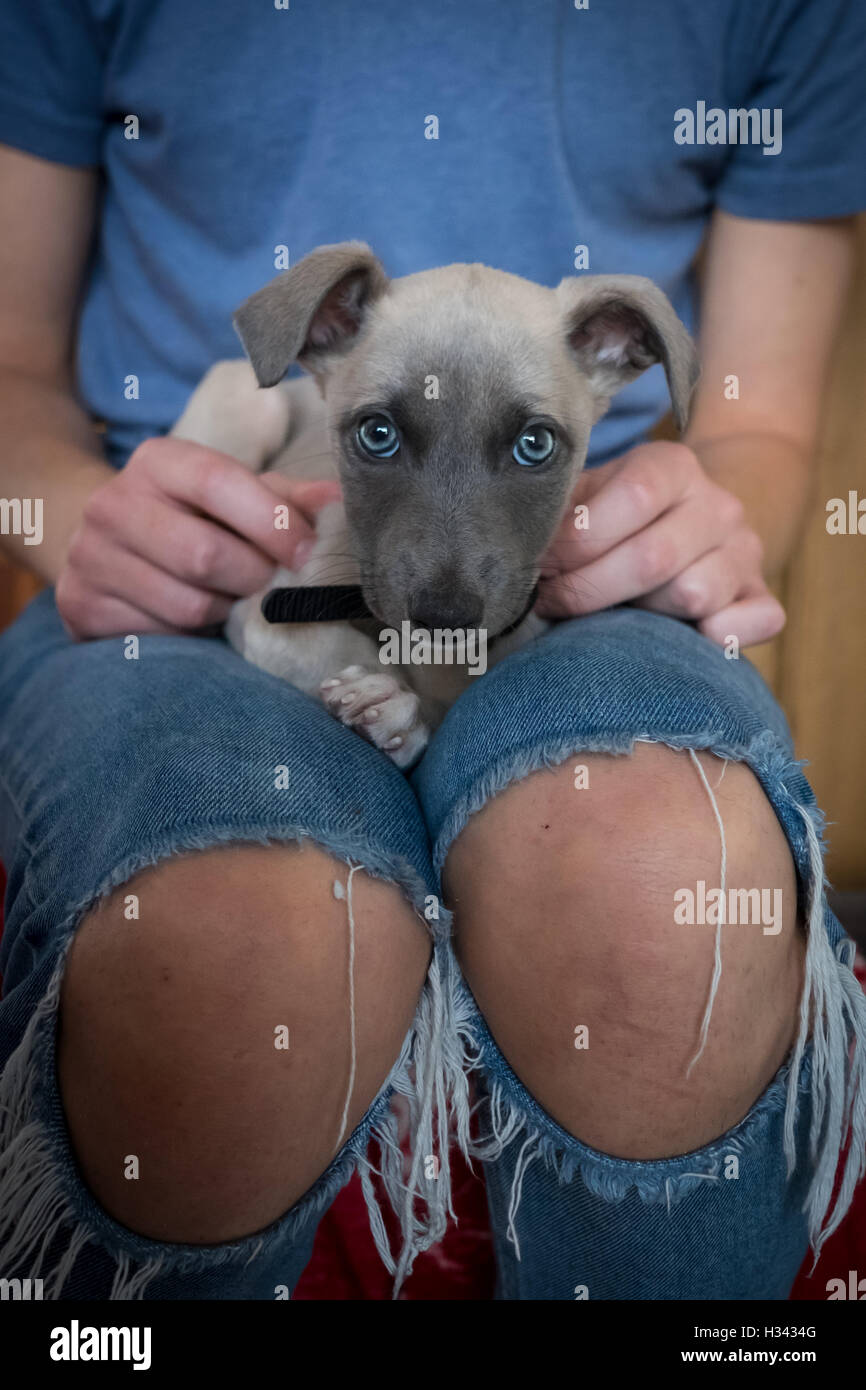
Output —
<point x="431" y="608"/>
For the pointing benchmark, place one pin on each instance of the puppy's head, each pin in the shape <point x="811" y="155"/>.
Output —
<point x="460" y="402"/>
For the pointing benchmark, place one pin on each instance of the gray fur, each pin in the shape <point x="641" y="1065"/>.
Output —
<point x="461" y="358"/>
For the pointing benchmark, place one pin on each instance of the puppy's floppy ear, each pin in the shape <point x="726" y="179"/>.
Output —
<point x="617" y="326"/>
<point x="311" y="311"/>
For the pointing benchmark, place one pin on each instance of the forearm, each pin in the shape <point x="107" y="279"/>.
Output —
<point x="772" y="476"/>
<point x="50" y="454"/>
<point x="772" y="299"/>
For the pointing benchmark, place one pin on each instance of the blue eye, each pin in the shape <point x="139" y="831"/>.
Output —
<point x="533" y="445"/>
<point x="378" y="437"/>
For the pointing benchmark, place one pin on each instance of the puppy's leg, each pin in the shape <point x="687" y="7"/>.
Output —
<point x="230" y="412"/>
<point x="381" y="708"/>
<point x="377" y="706"/>
<point x="304" y="654"/>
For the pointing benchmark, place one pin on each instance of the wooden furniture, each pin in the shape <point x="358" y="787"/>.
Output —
<point x="817" y="666"/>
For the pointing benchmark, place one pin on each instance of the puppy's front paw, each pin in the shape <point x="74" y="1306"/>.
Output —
<point x="380" y="709"/>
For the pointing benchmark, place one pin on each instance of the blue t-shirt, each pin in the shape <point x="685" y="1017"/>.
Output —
<point x="261" y="126"/>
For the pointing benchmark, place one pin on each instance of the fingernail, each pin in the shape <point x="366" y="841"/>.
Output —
<point x="303" y="551"/>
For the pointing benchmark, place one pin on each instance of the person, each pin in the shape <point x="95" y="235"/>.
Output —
<point x="175" y="1023"/>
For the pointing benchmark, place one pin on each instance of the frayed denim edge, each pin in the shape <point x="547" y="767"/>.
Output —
<point x="832" y="1006"/>
<point x="41" y="1192"/>
<point x="655" y="1181"/>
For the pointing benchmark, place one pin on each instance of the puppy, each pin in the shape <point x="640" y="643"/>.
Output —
<point x="454" y="406"/>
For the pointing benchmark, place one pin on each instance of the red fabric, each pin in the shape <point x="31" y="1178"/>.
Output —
<point x="846" y="1248"/>
<point x="346" y="1264"/>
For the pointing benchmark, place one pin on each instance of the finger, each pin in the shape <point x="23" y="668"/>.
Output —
<point x="639" y="565"/>
<point x="643" y="486"/>
<point x="309" y="498"/>
<point x="190" y="547"/>
<point x="703" y="588"/>
<point x="756" y="618"/>
<point x="223" y="489"/>
<point x="166" y="599"/>
<point x="93" y="615"/>
<point x="307" y="495"/>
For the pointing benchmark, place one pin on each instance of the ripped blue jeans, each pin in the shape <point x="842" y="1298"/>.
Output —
<point x="108" y="765"/>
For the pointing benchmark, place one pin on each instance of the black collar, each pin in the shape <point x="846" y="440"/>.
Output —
<point x="339" y="603"/>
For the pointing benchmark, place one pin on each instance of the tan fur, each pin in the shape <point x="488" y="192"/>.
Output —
<point x="361" y="337"/>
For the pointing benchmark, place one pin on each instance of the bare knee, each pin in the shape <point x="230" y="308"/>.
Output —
<point x="205" y="1033"/>
<point x="566" y="916"/>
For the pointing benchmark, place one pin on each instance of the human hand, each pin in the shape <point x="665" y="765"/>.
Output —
<point x="662" y="535"/>
<point x="180" y="533"/>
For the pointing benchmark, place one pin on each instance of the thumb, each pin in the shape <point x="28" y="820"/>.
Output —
<point x="306" y="495"/>
<point x="563" y="551"/>
<point x="592" y="480"/>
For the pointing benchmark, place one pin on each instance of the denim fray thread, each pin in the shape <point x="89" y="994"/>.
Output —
<point x="42" y="1197"/>
<point x="436" y="1086"/>
<point x="503" y="1122"/>
<point x="828" y="1060"/>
